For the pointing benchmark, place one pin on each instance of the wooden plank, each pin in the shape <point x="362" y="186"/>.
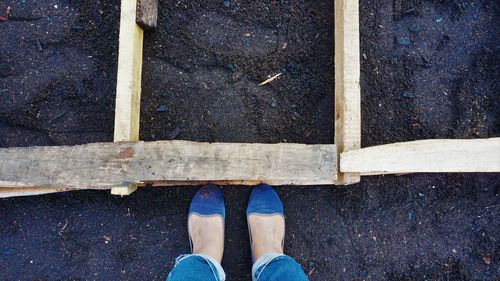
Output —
<point x="347" y="76"/>
<point x="29" y="191"/>
<point x="425" y="156"/>
<point x="107" y="165"/>
<point x="147" y="14"/>
<point x="128" y="85"/>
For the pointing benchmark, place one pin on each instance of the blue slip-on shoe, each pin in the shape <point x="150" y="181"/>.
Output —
<point x="264" y="201"/>
<point x="207" y="202"/>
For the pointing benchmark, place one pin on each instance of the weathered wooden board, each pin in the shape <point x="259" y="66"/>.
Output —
<point x="107" y="165"/>
<point x="425" y="156"/>
<point x="29" y="191"/>
<point x="147" y="14"/>
<point x="347" y="76"/>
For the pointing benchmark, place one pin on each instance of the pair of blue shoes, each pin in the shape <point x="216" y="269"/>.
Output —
<point x="208" y="201"/>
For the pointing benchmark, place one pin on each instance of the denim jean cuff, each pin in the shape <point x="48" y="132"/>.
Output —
<point x="261" y="264"/>
<point x="216" y="267"/>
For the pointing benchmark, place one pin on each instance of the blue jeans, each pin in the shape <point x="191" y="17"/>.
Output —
<point x="270" y="267"/>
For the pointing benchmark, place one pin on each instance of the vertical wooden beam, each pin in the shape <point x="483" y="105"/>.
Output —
<point x="347" y="88"/>
<point x="128" y="84"/>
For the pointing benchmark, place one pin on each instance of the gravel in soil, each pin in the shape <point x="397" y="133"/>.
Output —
<point x="429" y="70"/>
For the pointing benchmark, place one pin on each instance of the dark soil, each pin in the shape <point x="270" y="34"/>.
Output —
<point x="57" y="71"/>
<point x="429" y="70"/>
<point x="204" y="64"/>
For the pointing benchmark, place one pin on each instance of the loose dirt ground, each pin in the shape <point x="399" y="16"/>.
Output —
<point x="429" y="70"/>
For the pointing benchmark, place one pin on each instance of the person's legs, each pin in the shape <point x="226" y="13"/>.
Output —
<point x="206" y="235"/>
<point x="274" y="267"/>
<point x="266" y="224"/>
<point x="196" y="268"/>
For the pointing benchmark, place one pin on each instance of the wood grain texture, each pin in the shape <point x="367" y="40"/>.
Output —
<point x="425" y="156"/>
<point x="147" y="14"/>
<point x="107" y="165"/>
<point x="27" y="191"/>
<point x="347" y="76"/>
<point x="128" y="84"/>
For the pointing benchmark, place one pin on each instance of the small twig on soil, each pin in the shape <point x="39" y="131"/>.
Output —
<point x="270" y="79"/>
<point x="57" y="117"/>
<point x="195" y="12"/>
<point x="64" y="226"/>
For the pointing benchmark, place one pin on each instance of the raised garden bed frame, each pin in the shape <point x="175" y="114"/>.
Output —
<point x="127" y="163"/>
